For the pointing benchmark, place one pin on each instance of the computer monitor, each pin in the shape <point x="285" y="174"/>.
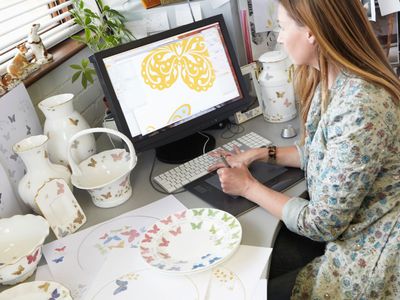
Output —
<point x="170" y="85"/>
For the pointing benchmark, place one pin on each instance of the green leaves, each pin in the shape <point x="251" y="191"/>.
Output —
<point x="101" y="31"/>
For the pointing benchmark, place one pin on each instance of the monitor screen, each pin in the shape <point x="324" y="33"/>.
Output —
<point x="172" y="84"/>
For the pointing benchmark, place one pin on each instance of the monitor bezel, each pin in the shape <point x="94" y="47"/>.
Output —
<point x="161" y="137"/>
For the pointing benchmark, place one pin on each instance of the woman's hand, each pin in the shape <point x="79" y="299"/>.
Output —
<point x="233" y="158"/>
<point x="236" y="180"/>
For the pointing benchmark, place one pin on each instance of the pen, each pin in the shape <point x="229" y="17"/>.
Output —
<point x="224" y="161"/>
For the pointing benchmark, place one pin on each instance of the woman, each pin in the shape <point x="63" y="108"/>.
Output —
<point x="350" y="153"/>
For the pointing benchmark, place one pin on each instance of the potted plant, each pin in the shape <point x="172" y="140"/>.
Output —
<point x="102" y="30"/>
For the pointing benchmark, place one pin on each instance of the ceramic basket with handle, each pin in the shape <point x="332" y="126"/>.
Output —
<point x="105" y="175"/>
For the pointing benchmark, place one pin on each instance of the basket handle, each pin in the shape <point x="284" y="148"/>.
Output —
<point x="74" y="167"/>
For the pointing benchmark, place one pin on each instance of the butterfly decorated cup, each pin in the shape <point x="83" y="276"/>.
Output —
<point x="105" y="175"/>
<point x="21" y="240"/>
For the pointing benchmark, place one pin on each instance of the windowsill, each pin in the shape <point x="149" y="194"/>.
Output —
<point x="61" y="52"/>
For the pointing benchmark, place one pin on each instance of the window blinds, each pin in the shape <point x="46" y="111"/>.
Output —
<point x="17" y="17"/>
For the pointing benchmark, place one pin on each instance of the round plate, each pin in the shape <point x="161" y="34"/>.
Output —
<point x="191" y="241"/>
<point x="37" y="290"/>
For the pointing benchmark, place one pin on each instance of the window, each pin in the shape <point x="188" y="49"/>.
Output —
<point x="56" y="24"/>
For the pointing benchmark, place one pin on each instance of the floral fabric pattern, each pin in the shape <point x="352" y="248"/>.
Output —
<point x="351" y="158"/>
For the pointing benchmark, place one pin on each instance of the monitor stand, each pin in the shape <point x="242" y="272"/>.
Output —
<point x="185" y="149"/>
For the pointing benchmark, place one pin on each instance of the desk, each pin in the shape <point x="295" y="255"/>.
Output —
<point x="259" y="227"/>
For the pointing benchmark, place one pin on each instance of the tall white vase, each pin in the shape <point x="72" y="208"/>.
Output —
<point x="39" y="169"/>
<point x="62" y="122"/>
<point x="277" y="93"/>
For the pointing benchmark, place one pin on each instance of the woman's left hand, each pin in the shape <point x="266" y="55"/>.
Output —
<point x="236" y="180"/>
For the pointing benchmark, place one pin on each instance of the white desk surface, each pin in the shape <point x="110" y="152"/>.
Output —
<point x="259" y="227"/>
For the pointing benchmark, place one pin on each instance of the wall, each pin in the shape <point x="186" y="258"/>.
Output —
<point x="87" y="102"/>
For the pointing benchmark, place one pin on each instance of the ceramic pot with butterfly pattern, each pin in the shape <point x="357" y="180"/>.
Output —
<point x="277" y="93"/>
<point x="39" y="169"/>
<point x="62" y="122"/>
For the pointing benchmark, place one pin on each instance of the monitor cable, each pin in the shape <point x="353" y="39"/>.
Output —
<point x="191" y="11"/>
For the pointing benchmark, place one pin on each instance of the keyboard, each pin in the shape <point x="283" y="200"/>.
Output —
<point x="196" y="168"/>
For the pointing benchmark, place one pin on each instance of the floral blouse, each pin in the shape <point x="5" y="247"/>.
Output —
<point x="351" y="158"/>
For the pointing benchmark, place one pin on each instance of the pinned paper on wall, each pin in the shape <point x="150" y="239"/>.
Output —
<point x="138" y="28"/>
<point x="218" y="3"/>
<point x="156" y="22"/>
<point x="265" y="15"/>
<point x="389" y="6"/>
<point x="184" y="16"/>
<point x="369" y="6"/>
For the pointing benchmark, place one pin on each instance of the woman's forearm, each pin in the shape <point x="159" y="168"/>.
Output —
<point x="285" y="156"/>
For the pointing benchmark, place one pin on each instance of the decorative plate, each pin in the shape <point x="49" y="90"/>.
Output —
<point x="59" y="206"/>
<point x="191" y="241"/>
<point x="37" y="290"/>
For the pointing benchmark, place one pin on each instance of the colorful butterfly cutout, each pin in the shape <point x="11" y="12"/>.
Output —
<point x="19" y="271"/>
<point x="213" y="230"/>
<point x="287" y="103"/>
<point x="212" y="213"/>
<point x="32" y="258"/>
<point x="155" y="229"/>
<point x="164" y="255"/>
<point x="233" y="224"/>
<point x="226" y="217"/>
<point x="121" y="244"/>
<point x="167" y="220"/>
<point x="280" y="94"/>
<point x="196" y="226"/>
<point x="213" y="260"/>
<point x="106" y="196"/>
<point x="144" y="250"/>
<point x="109" y="239"/>
<point x="92" y="163"/>
<point x="132" y="234"/>
<point x="164" y="242"/>
<point x="60" y="249"/>
<point x="180" y="215"/>
<point x="58" y="260"/>
<point x="118" y="156"/>
<point x="79" y="218"/>
<point x="44" y="286"/>
<point x="54" y="295"/>
<point x="197" y="266"/>
<point x="74" y="122"/>
<point x="122" y="285"/>
<point x="147" y="238"/>
<point x="198" y="212"/>
<point x="60" y="187"/>
<point x="148" y="259"/>
<point x="176" y="232"/>
<point x="104" y="236"/>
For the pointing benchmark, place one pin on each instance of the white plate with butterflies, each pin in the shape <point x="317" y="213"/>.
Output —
<point x="37" y="290"/>
<point x="59" y="206"/>
<point x="191" y="241"/>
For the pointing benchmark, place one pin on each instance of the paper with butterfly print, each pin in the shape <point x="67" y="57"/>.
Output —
<point x="60" y="208"/>
<point x="18" y="120"/>
<point x="75" y="259"/>
<point x="127" y="276"/>
<point x="191" y="241"/>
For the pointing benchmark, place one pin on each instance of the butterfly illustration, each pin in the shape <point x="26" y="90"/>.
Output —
<point x="144" y="250"/>
<point x="155" y="229"/>
<point x="148" y="259"/>
<point x="73" y="122"/>
<point x="123" y="183"/>
<point x="132" y="234"/>
<point x="180" y="215"/>
<point x="104" y="236"/>
<point x="176" y="232"/>
<point x="233" y="224"/>
<point x="226" y="217"/>
<point x="60" y="249"/>
<point x="196" y="226"/>
<point x="164" y="255"/>
<point x="280" y="94"/>
<point x="44" y="286"/>
<point x="12" y="118"/>
<point x="19" y="271"/>
<point x="164" y="242"/>
<point x="60" y="189"/>
<point x="147" y="238"/>
<point x="121" y="244"/>
<point x="213" y="260"/>
<point x="79" y="218"/>
<point x="118" y="156"/>
<point x="14" y="156"/>
<point x="32" y="258"/>
<point x="287" y="103"/>
<point x="92" y="163"/>
<point x="197" y="266"/>
<point x="28" y="130"/>
<point x="122" y="286"/>
<point x="160" y="266"/>
<point x="218" y="242"/>
<point x="198" y="212"/>
<point x="187" y="58"/>
<point x="205" y="256"/>
<point x="106" y="196"/>
<point x="213" y="230"/>
<point x="114" y="237"/>
<point x="54" y="295"/>
<point x="101" y="249"/>
<point x="212" y="213"/>
<point x="58" y="260"/>
<point x="167" y="220"/>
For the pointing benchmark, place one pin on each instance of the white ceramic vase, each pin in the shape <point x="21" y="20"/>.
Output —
<point x="62" y="122"/>
<point x="39" y="169"/>
<point x="277" y="93"/>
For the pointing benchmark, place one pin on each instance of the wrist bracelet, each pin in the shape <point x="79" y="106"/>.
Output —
<point x="271" y="153"/>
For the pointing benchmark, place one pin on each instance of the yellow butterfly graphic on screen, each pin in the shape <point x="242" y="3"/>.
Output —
<point x="187" y="58"/>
